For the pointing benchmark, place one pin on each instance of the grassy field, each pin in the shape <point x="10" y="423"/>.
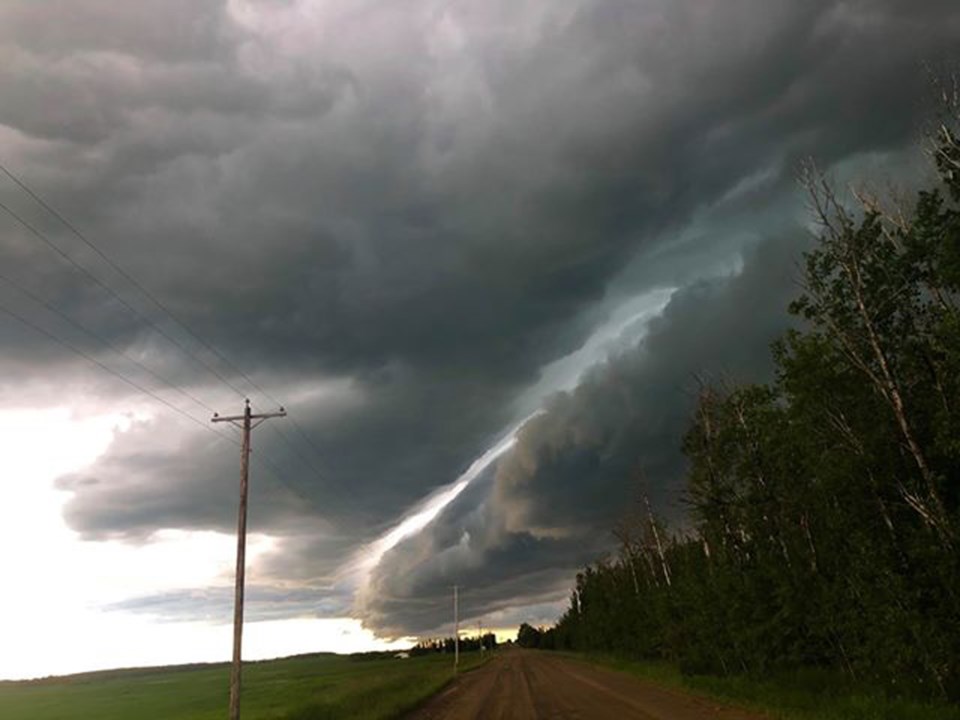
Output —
<point x="800" y="696"/>
<point x="314" y="687"/>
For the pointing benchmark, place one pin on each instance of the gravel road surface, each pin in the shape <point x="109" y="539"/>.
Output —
<point x="527" y="684"/>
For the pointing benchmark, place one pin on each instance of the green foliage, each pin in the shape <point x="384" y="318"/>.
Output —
<point x="529" y="636"/>
<point x="447" y="645"/>
<point x="824" y="524"/>
<point x="302" y="688"/>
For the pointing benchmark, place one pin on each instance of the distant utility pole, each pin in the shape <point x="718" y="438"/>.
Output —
<point x="456" y="629"/>
<point x="480" y="634"/>
<point x="246" y="422"/>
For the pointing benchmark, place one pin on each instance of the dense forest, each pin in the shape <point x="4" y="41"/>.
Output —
<point x="823" y="526"/>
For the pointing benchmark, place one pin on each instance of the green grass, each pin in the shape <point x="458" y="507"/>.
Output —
<point x="315" y="687"/>
<point x="806" y="695"/>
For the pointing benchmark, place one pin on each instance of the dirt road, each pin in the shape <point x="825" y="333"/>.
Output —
<point x="526" y="684"/>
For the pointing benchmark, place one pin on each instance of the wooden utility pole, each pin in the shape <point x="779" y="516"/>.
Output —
<point x="456" y="629"/>
<point x="246" y="422"/>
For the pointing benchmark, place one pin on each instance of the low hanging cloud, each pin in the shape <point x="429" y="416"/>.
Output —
<point x="393" y="217"/>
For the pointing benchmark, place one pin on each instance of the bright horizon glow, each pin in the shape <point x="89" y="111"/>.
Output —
<point x="53" y="619"/>
<point x="57" y="616"/>
<point x="87" y="641"/>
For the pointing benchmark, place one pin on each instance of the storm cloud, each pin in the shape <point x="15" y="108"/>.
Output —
<point x="549" y="506"/>
<point x="393" y="218"/>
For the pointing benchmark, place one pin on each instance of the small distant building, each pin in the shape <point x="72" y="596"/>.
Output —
<point x="403" y="655"/>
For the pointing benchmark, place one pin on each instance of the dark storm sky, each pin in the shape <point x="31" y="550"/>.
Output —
<point x="393" y="216"/>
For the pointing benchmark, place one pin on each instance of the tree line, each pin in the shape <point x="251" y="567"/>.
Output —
<point x="487" y="641"/>
<point x="823" y="522"/>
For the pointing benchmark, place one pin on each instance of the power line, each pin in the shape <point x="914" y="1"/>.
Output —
<point x="296" y="451"/>
<point x="136" y="313"/>
<point x="137" y="284"/>
<point x="245" y="444"/>
<point x="306" y="439"/>
<point x="90" y="358"/>
<point x="264" y="462"/>
<point x="155" y="301"/>
<point x="166" y="311"/>
<point x="96" y="336"/>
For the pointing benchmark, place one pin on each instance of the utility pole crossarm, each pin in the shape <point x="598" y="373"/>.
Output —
<point x="253" y="416"/>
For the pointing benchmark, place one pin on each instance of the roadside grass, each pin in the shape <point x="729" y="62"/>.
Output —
<point x="803" y="695"/>
<point x="313" y="687"/>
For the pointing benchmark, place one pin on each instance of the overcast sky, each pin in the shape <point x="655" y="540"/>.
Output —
<point x="478" y="250"/>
